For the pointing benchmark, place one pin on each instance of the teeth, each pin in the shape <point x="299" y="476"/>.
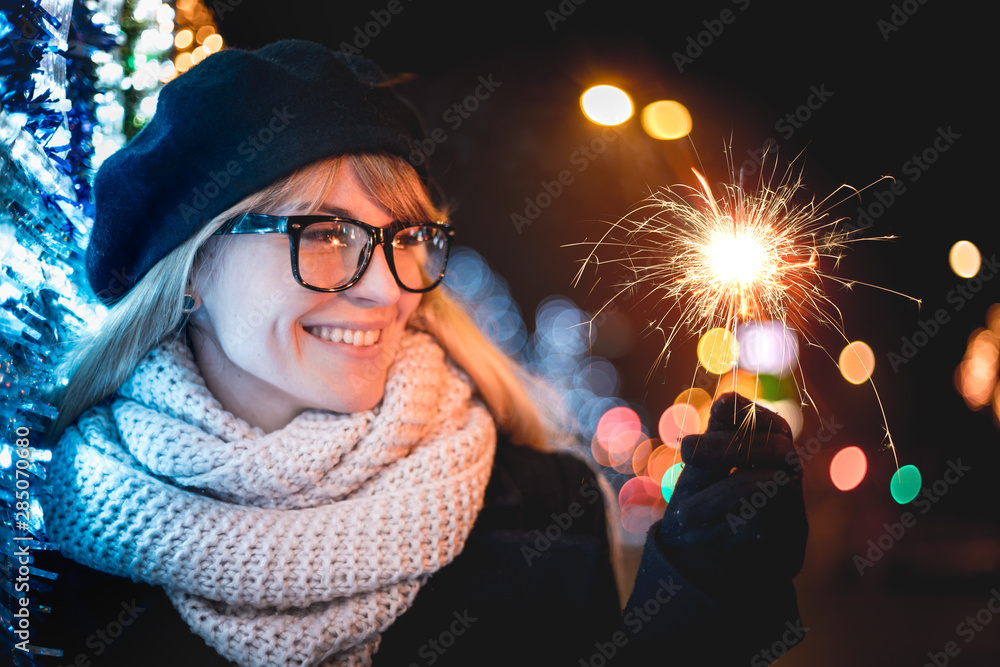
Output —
<point x="346" y="336"/>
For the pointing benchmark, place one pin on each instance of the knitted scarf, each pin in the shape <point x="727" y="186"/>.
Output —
<point x="296" y="547"/>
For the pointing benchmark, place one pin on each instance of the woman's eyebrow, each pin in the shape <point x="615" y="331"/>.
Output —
<point x="326" y="209"/>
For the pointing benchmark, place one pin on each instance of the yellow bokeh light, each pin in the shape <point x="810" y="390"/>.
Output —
<point x="606" y="105"/>
<point x="213" y="43"/>
<point x="183" y="62"/>
<point x="183" y="39"/>
<point x="965" y="259"/>
<point x="203" y="33"/>
<point x="662" y="458"/>
<point x="996" y="405"/>
<point x="697" y="397"/>
<point x="745" y="384"/>
<point x="199" y="54"/>
<point x="666" y="119"/>
<point x="857" y="361"/>
<point x="790" y="411"/>
<point x="717" y="350"/>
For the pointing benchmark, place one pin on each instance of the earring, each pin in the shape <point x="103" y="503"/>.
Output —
<point x="191" y="303"/>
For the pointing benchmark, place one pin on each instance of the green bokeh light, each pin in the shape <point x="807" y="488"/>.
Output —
<point x="905" y="484"/>
<point x="670" y="480"/>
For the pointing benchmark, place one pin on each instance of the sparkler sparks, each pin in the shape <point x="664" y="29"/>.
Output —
<point x="717" y="262"/>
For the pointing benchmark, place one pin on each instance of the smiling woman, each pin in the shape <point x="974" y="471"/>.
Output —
<point x="286" y="445"/>
<point x="300" y="356"/>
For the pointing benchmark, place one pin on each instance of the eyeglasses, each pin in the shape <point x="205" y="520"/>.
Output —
<point x="330" y="253"/>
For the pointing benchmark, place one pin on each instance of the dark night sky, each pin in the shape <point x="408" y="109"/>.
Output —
<point x="891" y="95"/>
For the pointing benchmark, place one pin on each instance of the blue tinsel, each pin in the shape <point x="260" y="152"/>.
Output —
<point x="47" y="224"/>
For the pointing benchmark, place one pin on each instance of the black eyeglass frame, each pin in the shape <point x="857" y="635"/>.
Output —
<point x="294" y="225"/>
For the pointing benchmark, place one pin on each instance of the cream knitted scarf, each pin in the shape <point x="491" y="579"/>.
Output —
<point x="297" y="547"/>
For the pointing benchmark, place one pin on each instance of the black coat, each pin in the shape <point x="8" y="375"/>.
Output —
<point x="533" y="586"/>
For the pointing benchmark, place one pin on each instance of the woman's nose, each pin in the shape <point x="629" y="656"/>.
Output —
<point x="377" y="284"/>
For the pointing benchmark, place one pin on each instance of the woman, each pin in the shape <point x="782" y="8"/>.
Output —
<point x="287" y="446"/>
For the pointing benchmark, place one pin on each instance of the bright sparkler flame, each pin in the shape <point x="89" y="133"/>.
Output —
<point x="725" y="261"/>
<point x="719" y="262"/>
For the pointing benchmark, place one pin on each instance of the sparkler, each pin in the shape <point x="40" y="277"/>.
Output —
<point x="718" y="262"/>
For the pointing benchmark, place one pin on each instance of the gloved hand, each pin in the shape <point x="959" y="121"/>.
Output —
<point x="737" y="517"/>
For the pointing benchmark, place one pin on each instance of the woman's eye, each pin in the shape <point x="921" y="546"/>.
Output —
<point x="409" y="237"/>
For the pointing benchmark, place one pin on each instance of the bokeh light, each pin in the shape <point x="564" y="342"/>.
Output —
<point x="203" y="33"/>
<point x="622" y="445"/>
<point x="599" y="452"/>
<point x="965" y="259"/>
<point x="717" y="350"/>
<point x="199" y="54"/>
<point x="977" y="377"/>
<point x="746" y="385"/>
<point x="666" y="119"/>
<point x="669" y="480"/>
<point x="977" y="372"/>
<point x="789" y="410"/>
<point x="606" y="105"/>
<point x="701" y="401"/>
<point x="767" y="347"/>
<point x="641" y="502"/>
<point x="857" y="361"/>
<point x="848" y="468"/>
<point x="183" y="39"/>
<point x="697" y="398"/>
<point x="640" y="457"/>
<point x="905" y="484"/>
<point x="619" y="430"/>
<point x="183" y="62"/>
<point x="677" y="421"/>
<point x="213" y="43"/>
<point x="660" y="460"/>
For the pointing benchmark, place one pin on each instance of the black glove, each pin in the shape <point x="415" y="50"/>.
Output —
<point x="737" y="517"/>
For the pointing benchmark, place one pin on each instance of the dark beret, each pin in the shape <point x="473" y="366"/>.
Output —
<point x="233" y="125"/>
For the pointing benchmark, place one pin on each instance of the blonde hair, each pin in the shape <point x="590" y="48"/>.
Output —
<point x="99" y="362"/>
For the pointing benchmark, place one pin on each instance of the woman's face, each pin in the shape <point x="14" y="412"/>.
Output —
<point x="261" y="339"/>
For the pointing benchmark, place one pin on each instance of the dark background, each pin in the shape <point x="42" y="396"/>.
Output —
<point x="892" y="92"/>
